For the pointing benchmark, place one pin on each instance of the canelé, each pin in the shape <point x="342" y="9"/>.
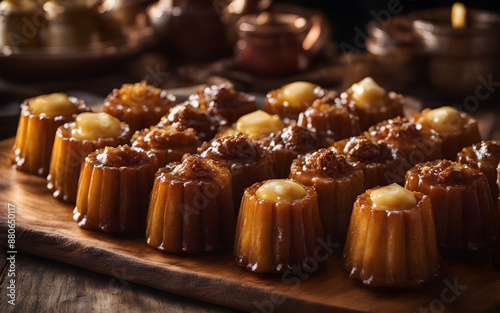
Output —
<point x="330" y="119"/>
<point x="456" y="129"/>
<point x="168" y="143"/>
<point x="485" y="156"/>
<point x="287" y="144"/>
<point x="191" y="208"/>
<point x="291" y="99"/>
<point x="278" y="228"/>
<point x="40" y="117"/>
<point x="372" y="103"/>
<point x="140" y="105"/>
<point x="224" y="100"/>
<point x="247" y="160"/>
<point x="205" y="122"/>
<point x="113" y="190"/>
<point x="337" y="183"/>
<point x="391" y="240"/>
<point x="73" y="142"/>
<point x="464" y="214"/>
<point x="379" y="163"/>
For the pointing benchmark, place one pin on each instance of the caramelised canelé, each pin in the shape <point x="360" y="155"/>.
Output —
<point x="391" y="240"/>
<point x="456" y="129"/>
<point x="254" y="125"/>
<point x="205" y="122"/>
<point x="248" y="161"/>
<point x="278" y="228"/>
<point x="485" y="156"/>
<point x="224" y="100"/>
<point x="40" y="117"/>
<point x="168" y="143"/>
<point x="287" y="144"/>
<point x="372" y="103"/>
<point x="291" y="99"/>
<point x="337" y="183"/>
<point x="411" y="140"/>
<point x="191" y="208"/>
<point x="379" y="163"/>
<point x="140" y="105"/>
<point x="464" y="214"/>
<point x="330" y="119"/>
<point x="73" y="142"/>
<point x="113" y="191"/>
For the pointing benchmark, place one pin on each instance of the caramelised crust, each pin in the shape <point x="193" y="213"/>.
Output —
<point x="414" y="142"/>
<point x="224" y="100"/>
<point x="275" y="105"/>
<point x="485" y="156"/>
<point x="205" y="122"/>
<point x="168" y="143"/>
<point x="380" y="165"/>
<point x="276" y="237"/>
<point x="454" y="141"/>
<point x="464" y="214"/>
<point x="113" y="191"/>
<point x="140" y="105"/>
<point x="330" y="119"/>
<point x="337" y="182"/>
<point x="191" y="209"/>
<point x="390" y="106"/>
<point x="392" y="248"/>
<point x="35" y="137"/>
<point x="287" y="144"/>
<point x="247" y="161"/>
<point x="69" y="153"/>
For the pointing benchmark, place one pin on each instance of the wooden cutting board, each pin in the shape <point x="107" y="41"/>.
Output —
<point x="44" y="227"/>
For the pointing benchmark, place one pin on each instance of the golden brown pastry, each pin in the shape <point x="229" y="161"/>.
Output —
<point x="291" y="99"/>
<point x="331" y="119"/>
<point x="140" y="105"/>
<point x="372" y="102"/>
<point x="224" y="100"/>
<point x="337" y="182"/>
<point x="73" y="142"/>
<point x="380" y="165"/>
<point x="464" y="214"/>
<point x="485" y="156"/>
<point x="113" y="191"/>
<point x="278" y="227"/>
<point x="248" y="161"/>
<point x="411" y="140"/>
<point x="456" y="129"/>
<point x="191" y="208"/>
<point x="40" y="117"/>
<point x="391" y="240"/>
<point x="257" y="124"/>
<point x="287" y="144"/>
<point x="205" y="122"/>
<point x="168" y="143"/>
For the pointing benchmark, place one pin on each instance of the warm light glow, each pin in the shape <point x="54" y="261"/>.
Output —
<point x="312" y="37"/>
<point x="458" y="15"/>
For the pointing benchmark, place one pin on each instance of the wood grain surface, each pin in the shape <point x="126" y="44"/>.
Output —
<point x="44" y="227"/>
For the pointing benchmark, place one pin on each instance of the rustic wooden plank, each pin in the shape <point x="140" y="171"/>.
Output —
<point x="45" y="228"/>
<point x="46" y="286"/>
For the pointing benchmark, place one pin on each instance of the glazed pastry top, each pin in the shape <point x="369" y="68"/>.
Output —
<point x="402" y="131"/>
<point x="368" y="94"/>
<point x="140" y="96"/>
<point x="232" y="148"/>
<point x="364" y="150"/>
<point x="446" y="120"/>
<point x="121" y="156"/>
<point x="446" y="172"/>
<point x="55" y="104"/>
<point x="280" y="190"/>
<point x="92" y="126"/>
<point x="170" y="136"/>
<point x="296" y="138"/>
<point x="392" y="198"/>
<point x="220" y="96"/>
<point x="258" y="123"/>
<point x="300" y="93"/>
<point x="193" y="167"/>
<point x="327" y="163"/>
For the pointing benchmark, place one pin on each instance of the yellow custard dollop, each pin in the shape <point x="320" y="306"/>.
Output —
<point x="367" y="93"/>
<point x="300" y="93"/>
<point x="392" y="198"/>
<point x="54" y="104"/>
<point x="258" y="123"/>
<point x="280" y="190"/>
<point x="92" y="126"/>
<point x="445" y="119"/>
